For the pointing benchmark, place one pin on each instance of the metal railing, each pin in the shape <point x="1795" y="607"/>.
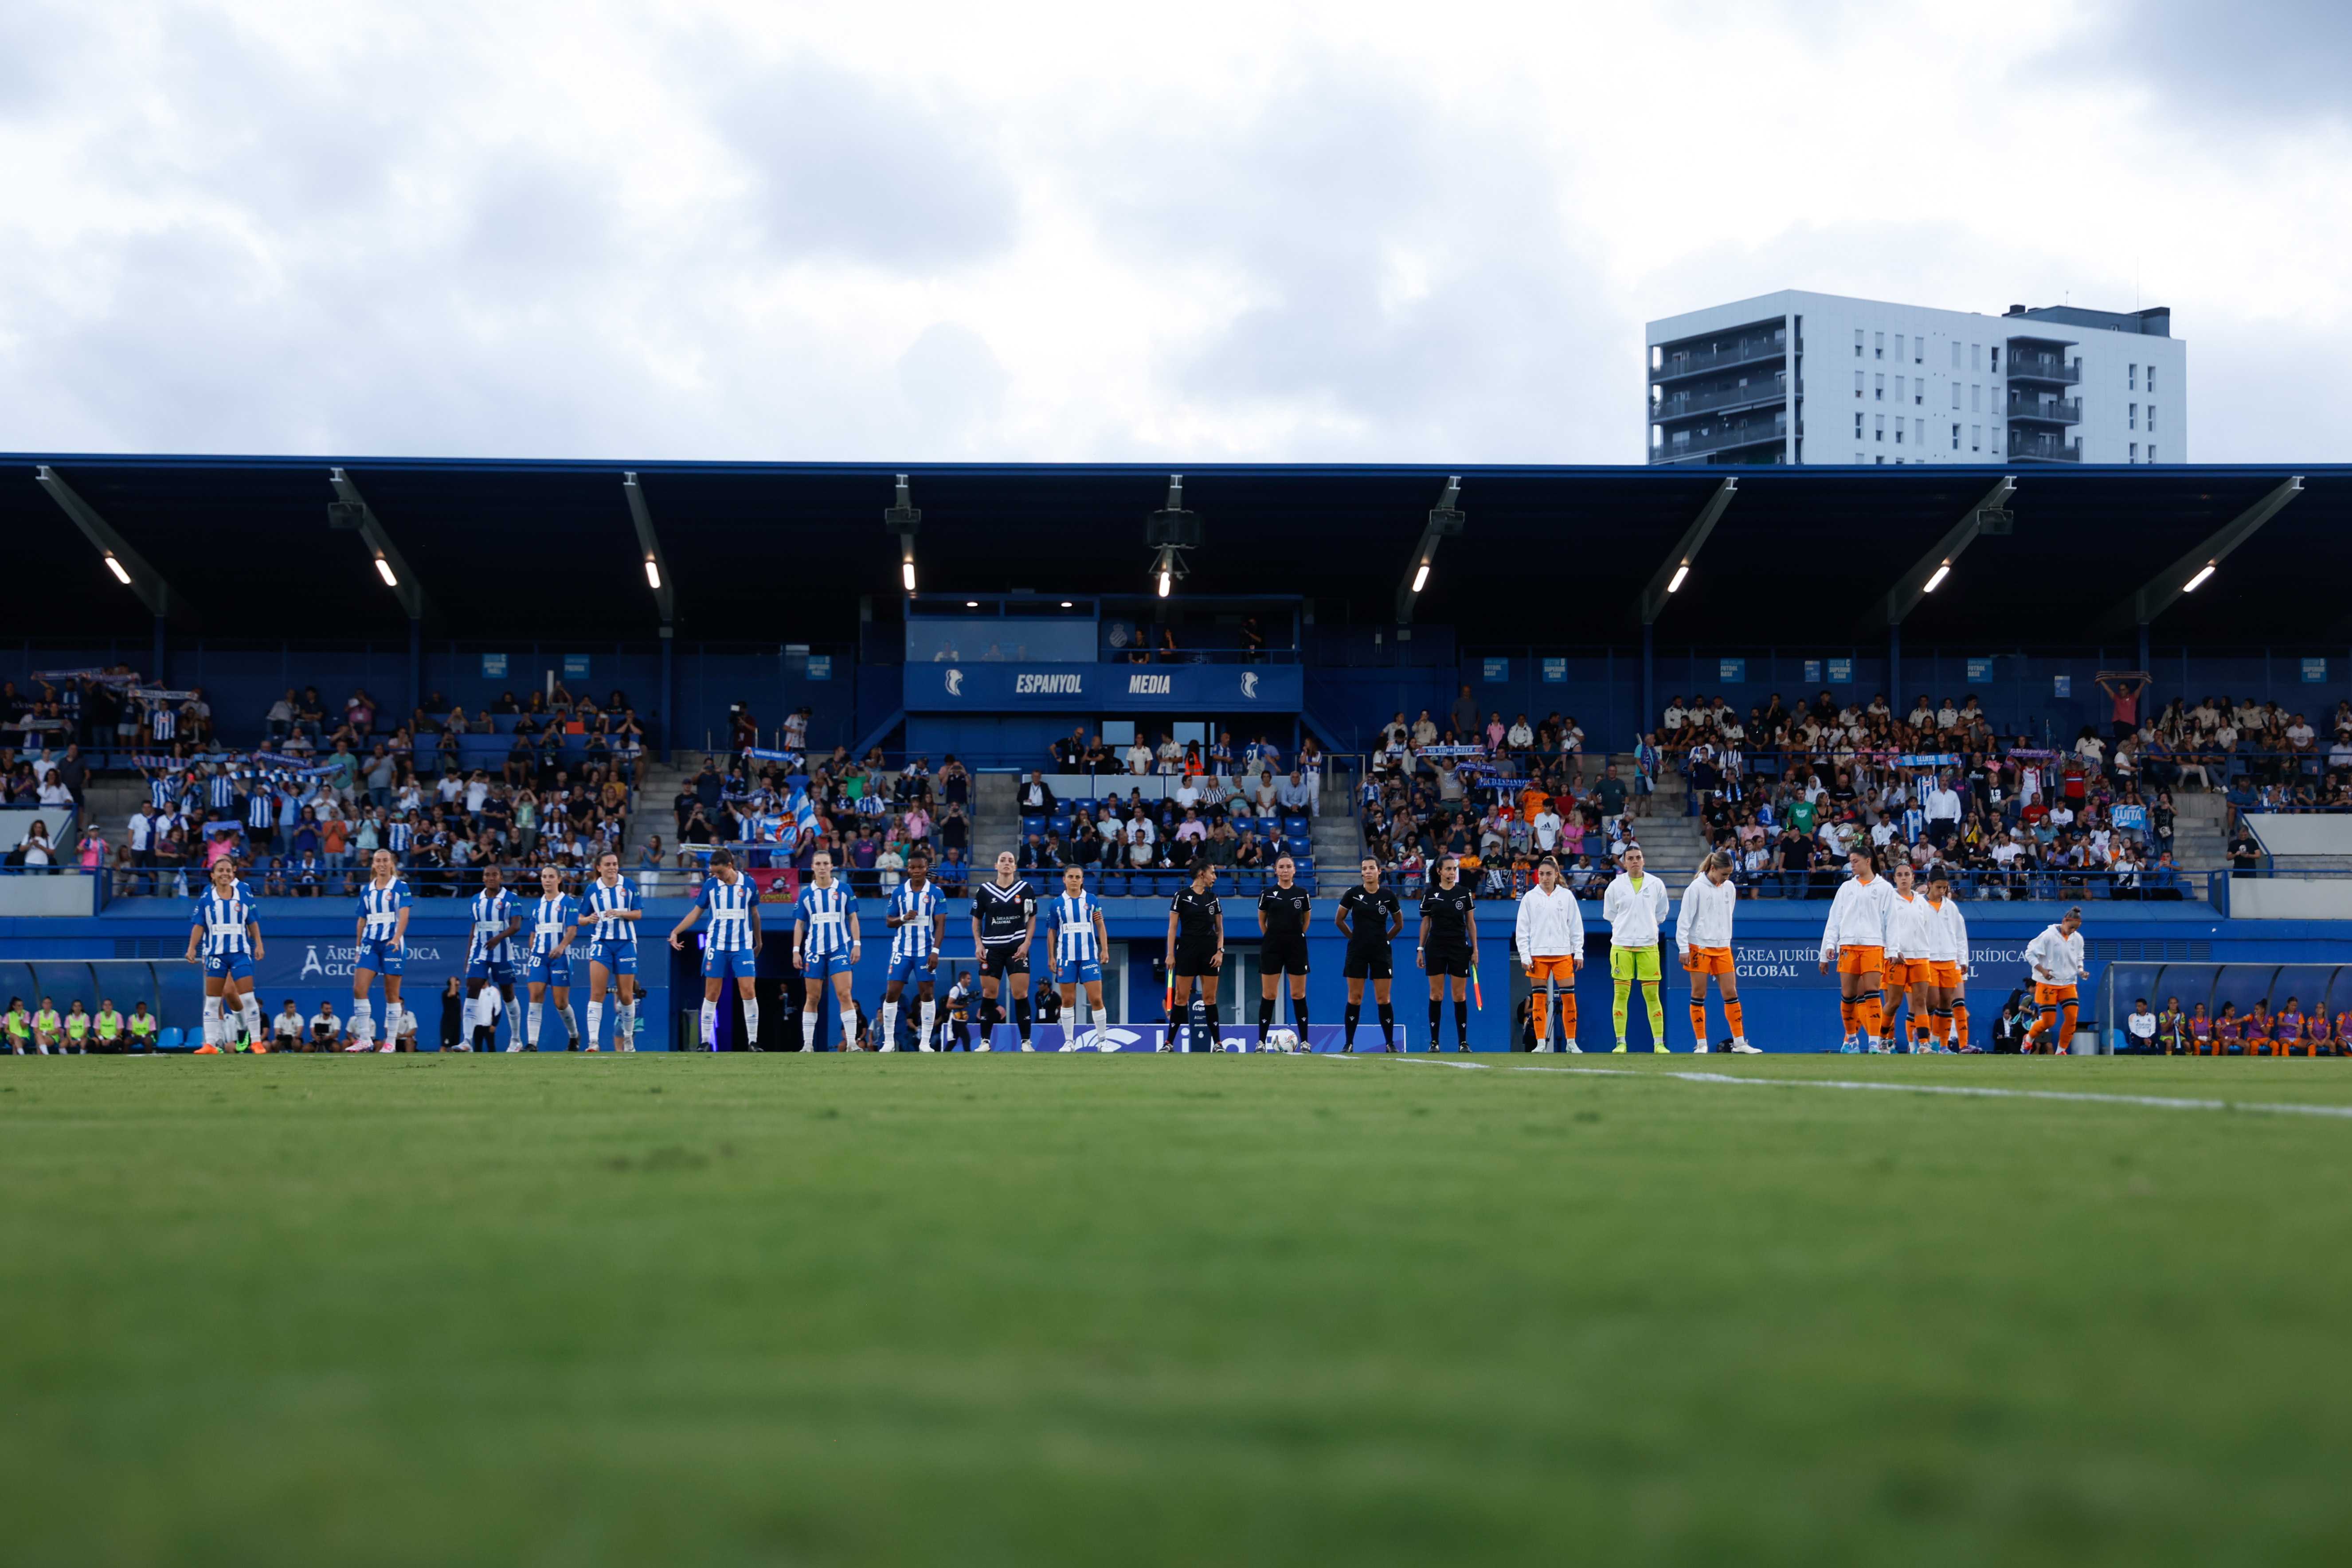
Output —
<point x="2056" y="410"/>
<point x="1723" y="397"/>
<point x="2042" y="367"/>
<point x="2027" y="444"/>
<point x="1747" y="351"/>
<point x="1748" y="433"/>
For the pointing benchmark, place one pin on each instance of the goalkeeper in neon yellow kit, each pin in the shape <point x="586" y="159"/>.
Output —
<point x="1636" y="907"/>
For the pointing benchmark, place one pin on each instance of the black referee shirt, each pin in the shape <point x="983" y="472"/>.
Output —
<point x="1369" y="914"/>
<point x="1196" y="916"/>
<point x="1448" y="912"/>
<point x="1286" y="911"/>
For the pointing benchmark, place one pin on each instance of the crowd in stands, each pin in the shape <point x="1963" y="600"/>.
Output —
<point x="778" y="809"/>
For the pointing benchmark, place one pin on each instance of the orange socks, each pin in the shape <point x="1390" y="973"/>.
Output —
<point x="1698" y="1022"/>
<point x="1731" y="1016"/>
<point x="1873" y="1018"/>
<point x="1850" y="1011"/>
<point x="1960" y="1022"/>
<point x="1567" y="1014"/>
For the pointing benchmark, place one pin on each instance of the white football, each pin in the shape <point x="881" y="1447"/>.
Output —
<point x="1281" y="1041"/>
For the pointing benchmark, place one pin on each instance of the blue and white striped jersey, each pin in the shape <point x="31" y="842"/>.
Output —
<point x="550" y="916"/>
<point x="1072" y="919"/>
<point x="602" y="902"/>
<point x="223" y="921"/>
<point x="493" y="913"/>
<point x="398" y="834"/>
<point x="220" y="790"/>
<point x="261" y="810"/>
<point x="917" y="907"/>
<point x="825" y="911"/>
<point x="163" y="721"/>
<point x="729" y="904"/>
<point x="381" y="907"/>
<point x="163" y="792"/>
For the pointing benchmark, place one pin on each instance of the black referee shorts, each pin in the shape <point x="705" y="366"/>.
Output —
<point x="1374" y="962"/>
<point x="1447" y="961"/>
<point x="1283" y="956"/>
<point x="1192" y="958"/>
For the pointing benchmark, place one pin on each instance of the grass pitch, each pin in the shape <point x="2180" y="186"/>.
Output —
<point x="1141" y="1311"/>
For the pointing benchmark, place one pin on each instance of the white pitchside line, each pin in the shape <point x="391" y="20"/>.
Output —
<point x="2160" y="1103"/>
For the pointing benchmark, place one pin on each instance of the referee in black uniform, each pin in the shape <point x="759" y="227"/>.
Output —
<point x="1196" y="951"/>
<point x="1370" y="916"/>
<point x="1448" y="945"/>
<point x="1283" y="912"/>
<point x="1004" y="916"/>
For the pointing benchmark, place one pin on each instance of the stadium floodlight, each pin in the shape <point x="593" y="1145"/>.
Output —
<point x="2202" y="573"/>
<point x="349" y="512"/>
<point x="1676" y="569"/>
<point x="1682" y="575"/>
<point x="653" y="573"/>
<point x="1445" y="521"/>
<point x="2189" y="571"/>
<point x="115" y="566"/>
<point x="383" y="570"/>
<point x="130" y="568"/>
<point x="1935" y="579"/>
<point x="1925" y="575"/>
<point x="904" y="519"/>
<point x="1171" y="531"/>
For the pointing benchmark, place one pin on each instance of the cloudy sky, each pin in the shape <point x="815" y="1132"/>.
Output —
<point x="1202" y="232"/>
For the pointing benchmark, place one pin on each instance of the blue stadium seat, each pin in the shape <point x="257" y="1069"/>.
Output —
<point x="170" y="1038"/>
<point x="1030" y="825"/>
<point x="1297" y="827"/>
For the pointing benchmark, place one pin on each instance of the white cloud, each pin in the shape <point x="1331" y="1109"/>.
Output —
<point x="1338" y="232"/>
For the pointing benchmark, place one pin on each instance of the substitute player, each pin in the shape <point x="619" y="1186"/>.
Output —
<point x="1076" y="939"/>
<point x="731" y="949"/>
<point x="1947" y="960"/>
<point x="1909" y="969"/>
<point x="1550" y="942"/>
<point x="826" y="944"/>
<point x="1636" y="906"/>
<point x="1447" y="947"/>
<point x="1283" y="912"/>
<point x="228" y="929"/>
<point x="490" y="959"/>
<point x="382" y="939"/>
<point x="1196" y="951"/>
<point x="554" y="921"/>
<point x="1703" y="936"/>
<point x="1370" y="916"/>
<point x="1003" y="922"/>
<point x="917" y="921"/>
<point x="1855" y="939"/>
<point x="2056" y="959"/>
<point x="612" y="909"/>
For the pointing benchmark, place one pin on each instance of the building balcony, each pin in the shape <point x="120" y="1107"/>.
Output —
<point x="2042" y="447"/>
<point x="2045" y="410"/>
<point x="2045" y="368"/>
<point x="1723" y="442"/>
<point x="1684" y="363"/>
<point x="1754" y="395"/>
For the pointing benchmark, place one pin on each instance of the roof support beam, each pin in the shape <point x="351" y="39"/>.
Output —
<point x="1669" y="577"/>
<point x="1926" y="575"/>
<point x="1445" y="520"/>
<point x="2156" y="595"/>
<point x="656" y="564"/>
<point x="128" y="564"/>
<point x="362" y="520"/>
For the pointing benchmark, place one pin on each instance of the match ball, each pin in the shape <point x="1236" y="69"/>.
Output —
<point x="1282" y="1040"/>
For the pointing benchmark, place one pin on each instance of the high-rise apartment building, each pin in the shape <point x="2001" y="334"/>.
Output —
<point x="1795" y="377"/>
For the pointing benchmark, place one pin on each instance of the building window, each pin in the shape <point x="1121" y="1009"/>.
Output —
<point x="1857" y="342"/>
<point x="1920" y="350"/>
<point x="1879" y="345"/>
<point x="1880" y="433"/>
<point x="2151" y="378"/>
<point x="1898" y="348"/>
<point x="1956" y="437"/>
<point x="1898" y="389"/>
<point x="2151" y="418"/>
<point x="2151" y="451"/>
<point x="1976" y="397"/>
<point x="2131" y="378"/>
<point x="1976" y="437"/>
<point x="1956" y="397"/>
<point x="1898" y="430"/>
<point x="1879" y="391"/>
<point x="1857" y="383"/>
<point x="1919" y="431"/>
<point x="1976" y="356"/>
<point x="2134" y="451"/>
<point x="1919" y="392"/>
<point x="1857" y="427"/>
<point x="2131" y="418"/>
<point x="1995" y="360"/>
<point x="1956" y="353"/>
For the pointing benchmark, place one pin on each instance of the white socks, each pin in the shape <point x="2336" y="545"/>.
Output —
<point x="362" y="1023"/>
<point x="848" y="1030"/>
<point x="710" y="1025"/>
<point x="213" y="1025"/>
<point x="251" y="1010"/>
<point x="595" y="1024"/>
<point x="930" y="1018"/>
<point x="571" y="1023"/>
<point x="752" y="1025"/>
<point x="625" y="1026"/>
<point x="889" y="1026"/>
<point x="531" y="1033"/>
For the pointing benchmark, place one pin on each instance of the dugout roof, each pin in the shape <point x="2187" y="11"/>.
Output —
<point x="770" y="551"/>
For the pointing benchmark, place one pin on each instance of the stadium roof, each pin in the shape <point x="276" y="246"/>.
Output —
<point x="1557" y="556"/>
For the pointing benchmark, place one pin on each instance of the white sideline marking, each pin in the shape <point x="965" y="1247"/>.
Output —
<point x="2161" y="1102"/>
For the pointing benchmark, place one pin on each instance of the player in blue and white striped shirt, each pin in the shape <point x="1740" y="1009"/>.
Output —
<point x="220" y="788"/>
<point x="383" y="942"/>
<point x="554" y="921"/>
<point x="730" y="949"/>
<point x="228" y="930"/>
<point x="919" y="922"/>
<point x="825" y="945"/>
<point x="1075" y="923"/>
<point x="490" y="957"/>
<point x="613" y="908"/>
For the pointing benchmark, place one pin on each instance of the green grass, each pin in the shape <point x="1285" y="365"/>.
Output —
<point x="1136" y="1310"/>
